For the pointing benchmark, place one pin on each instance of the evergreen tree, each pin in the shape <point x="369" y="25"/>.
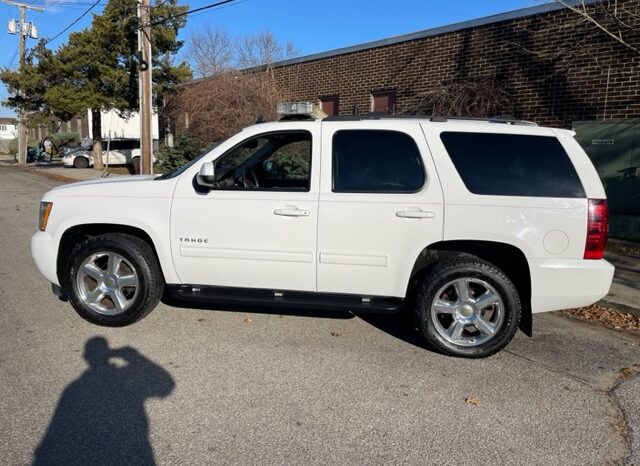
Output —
<point x="97" y="69"/>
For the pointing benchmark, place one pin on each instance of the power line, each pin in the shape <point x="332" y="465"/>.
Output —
<point x="74" y="22"/>
<point x="13" y="59"/>
<point x="202" y="8"/>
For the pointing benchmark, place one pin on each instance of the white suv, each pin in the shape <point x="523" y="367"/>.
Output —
<point x="472" y="226"/>
<point x="114" y="152"/>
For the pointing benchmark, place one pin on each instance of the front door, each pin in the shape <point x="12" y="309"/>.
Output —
<point x="257" y="228"/>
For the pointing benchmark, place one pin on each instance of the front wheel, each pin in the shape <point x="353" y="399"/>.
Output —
<point x="81" y="162"/>
<point x="467" y="308"/>
<point x="113" y="279"/>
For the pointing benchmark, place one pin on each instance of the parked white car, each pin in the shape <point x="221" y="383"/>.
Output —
<point x="471" y="226"/>
<point x="117" y="152"/>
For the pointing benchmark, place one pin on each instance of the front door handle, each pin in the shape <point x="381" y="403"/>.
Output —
<point x="415" y="214"/>
<point x="291" y="212"/>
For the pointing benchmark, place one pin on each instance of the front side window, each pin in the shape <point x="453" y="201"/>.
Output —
<point x="513" y="164"/>
<point x="273" y="161"/>
<point x="376" y="161"/>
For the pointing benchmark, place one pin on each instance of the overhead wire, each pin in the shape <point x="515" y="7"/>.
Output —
<point x="86" y="12"/>
<point x="185" y="13"/>
<point x="13" y="59"/>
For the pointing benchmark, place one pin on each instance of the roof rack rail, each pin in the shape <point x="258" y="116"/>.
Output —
<point x="498" y="119"/>
<point x="434" y="118"/>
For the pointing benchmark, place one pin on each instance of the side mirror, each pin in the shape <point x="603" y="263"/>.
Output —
<point x="206" y="175"/>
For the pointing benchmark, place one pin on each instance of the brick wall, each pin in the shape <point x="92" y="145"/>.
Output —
<point x="556" y="67"/>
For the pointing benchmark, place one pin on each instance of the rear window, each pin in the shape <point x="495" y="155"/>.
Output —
<point x="513" y="165"/>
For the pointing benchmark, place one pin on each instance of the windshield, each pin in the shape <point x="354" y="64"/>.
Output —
<point x="183" y="168"/>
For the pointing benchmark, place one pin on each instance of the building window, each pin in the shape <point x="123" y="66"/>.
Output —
<point x="383" y="102"/>
<point x="330" y="105"/>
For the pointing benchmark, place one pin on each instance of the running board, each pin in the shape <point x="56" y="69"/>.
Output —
<point x="284" y="298"/>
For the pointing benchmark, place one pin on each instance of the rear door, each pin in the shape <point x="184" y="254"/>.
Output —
<point x="380" y="205"/>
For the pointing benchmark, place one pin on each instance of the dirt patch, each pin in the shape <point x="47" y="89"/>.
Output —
<point x="606" y="316"/>
<point x="55" y="177"/>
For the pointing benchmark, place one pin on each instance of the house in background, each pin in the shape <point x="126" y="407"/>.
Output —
<point x="113" y="126"/>
<point x="8" y="131"/>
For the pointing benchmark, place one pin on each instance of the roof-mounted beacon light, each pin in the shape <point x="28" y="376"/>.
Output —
<point x="299" y="111"/>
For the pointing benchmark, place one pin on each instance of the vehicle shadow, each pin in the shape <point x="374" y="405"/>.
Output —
<point x="100" y="418"/>
<point x="173" y="301"/>
<point x="398" y="325"/>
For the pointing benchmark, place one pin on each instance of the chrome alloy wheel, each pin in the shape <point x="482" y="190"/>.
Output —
<point x="467" y="312"/>
<point x="107" y="283"/>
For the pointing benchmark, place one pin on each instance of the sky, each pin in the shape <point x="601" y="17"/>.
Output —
<point x="312" y="26"/>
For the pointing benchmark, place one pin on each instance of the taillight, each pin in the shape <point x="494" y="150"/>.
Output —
<point x="596" y="229"/>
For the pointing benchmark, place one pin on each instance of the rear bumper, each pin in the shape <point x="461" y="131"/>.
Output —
<point x="44" y="251"/>
<point x="567" y="283"/>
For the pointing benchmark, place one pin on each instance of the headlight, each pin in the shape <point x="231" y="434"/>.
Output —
<point x="45" y="211"/>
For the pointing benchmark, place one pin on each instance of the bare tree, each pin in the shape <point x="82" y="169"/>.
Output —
<point x="215" y="108"/>
<point x="606" y="15"/>
<point x="263" y="49"/>
<point x="210" y="51"/>
<point x="468" y="97"/>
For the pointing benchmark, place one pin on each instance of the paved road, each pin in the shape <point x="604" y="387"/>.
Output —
<point x="187" y="386"/>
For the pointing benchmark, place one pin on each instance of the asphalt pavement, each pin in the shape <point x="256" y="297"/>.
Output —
<point x="196" y="386"/>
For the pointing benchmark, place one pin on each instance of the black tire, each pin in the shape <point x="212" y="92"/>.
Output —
<point x="135" y="165"/>
<point x="81" y="162"/>
<point x="144" y="263"/>
<point x="473" y="269"/>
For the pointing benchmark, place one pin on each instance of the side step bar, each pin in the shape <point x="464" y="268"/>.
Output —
<point x="284" y="298"/>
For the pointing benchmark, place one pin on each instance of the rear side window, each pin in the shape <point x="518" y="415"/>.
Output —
<point x="513" y="165"/>
<point x="376" y="161"/>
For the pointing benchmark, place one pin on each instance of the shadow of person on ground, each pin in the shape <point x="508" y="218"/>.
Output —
<point x="100" y="418"/>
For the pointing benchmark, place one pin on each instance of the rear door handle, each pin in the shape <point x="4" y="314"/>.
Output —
<point x="291" y="212"/>
<point x="415" y="214"/>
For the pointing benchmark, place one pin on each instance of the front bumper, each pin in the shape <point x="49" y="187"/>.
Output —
<point x="568" y="283"/>
<point x="44" y="251"/>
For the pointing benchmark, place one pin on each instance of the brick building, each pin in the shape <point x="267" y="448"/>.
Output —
<point x="555" y="66"/>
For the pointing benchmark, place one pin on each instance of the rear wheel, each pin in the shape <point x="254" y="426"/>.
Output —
<point x="113" y="279"/>
<point x="80" y="162"/>
<point x="467" y="308"/>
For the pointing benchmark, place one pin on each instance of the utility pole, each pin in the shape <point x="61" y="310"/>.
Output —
<point x="26" y="29"/>
<point x="144" y="85"/>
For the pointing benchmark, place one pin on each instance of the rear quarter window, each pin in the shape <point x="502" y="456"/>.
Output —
<point x="513" y="165"/>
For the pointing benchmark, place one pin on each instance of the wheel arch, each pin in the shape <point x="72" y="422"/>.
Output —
<point x="77" y="233"/>
<point x="507" y="257"/>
